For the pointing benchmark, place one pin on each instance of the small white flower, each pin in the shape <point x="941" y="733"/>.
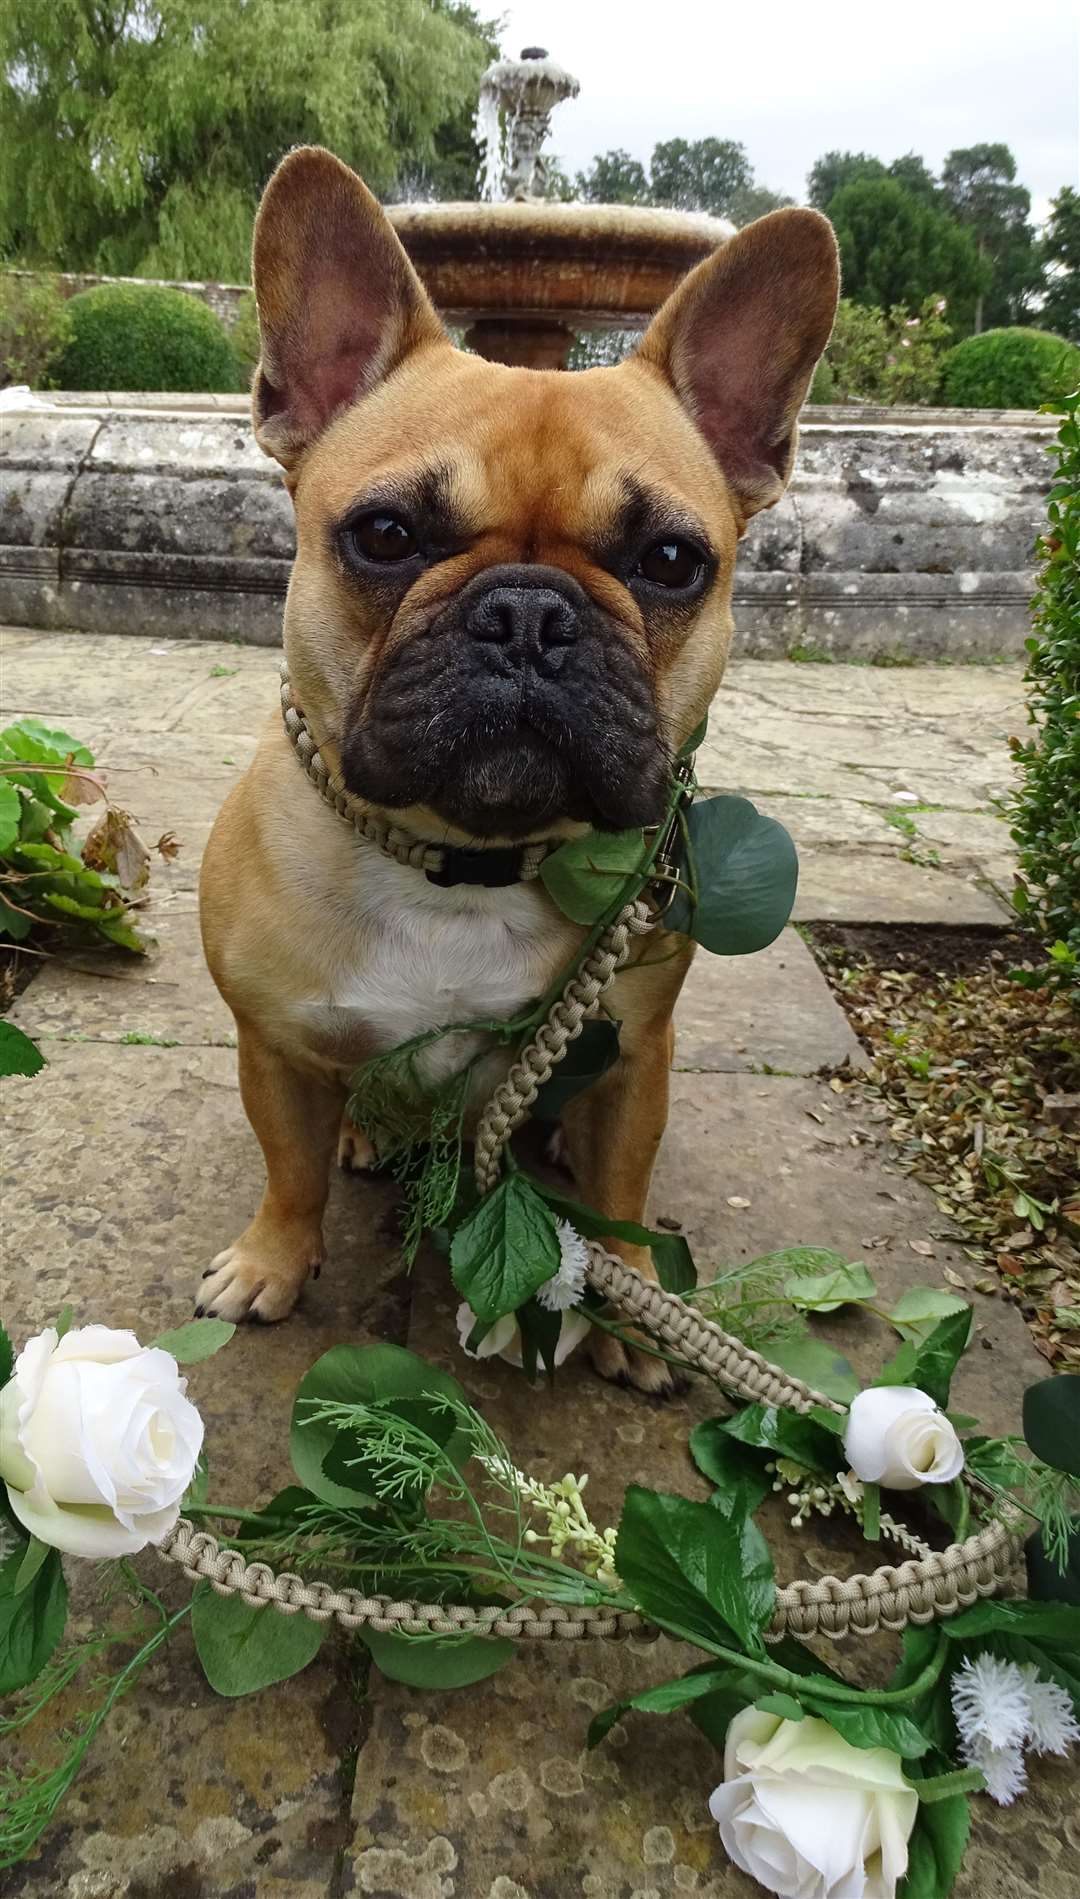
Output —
<point x="566" y="1287"/>
<point x="991" y="1703"/>
<point x="1003" y="1770"/>
<point x="1054" y="1727"/>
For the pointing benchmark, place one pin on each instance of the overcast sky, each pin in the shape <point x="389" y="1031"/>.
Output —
<point x="792" y="80"/>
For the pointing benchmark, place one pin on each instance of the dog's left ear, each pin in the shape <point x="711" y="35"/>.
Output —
<point x="739" y="340"/>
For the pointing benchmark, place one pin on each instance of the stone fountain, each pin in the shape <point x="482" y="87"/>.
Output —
<point x="520" y="273"/>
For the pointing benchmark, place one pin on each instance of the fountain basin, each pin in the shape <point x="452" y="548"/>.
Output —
<point x="523" y="277"/>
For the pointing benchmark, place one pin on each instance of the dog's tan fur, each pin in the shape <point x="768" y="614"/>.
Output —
<point x="324" y="951"/>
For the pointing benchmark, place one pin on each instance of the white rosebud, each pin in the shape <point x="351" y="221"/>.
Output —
<point x="896" y="1436"/>
<point x="806" y="1813"/>
<point x="504" y="1338"/>
<point x="97" y="1441"/>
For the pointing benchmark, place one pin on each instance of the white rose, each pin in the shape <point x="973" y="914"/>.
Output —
<point x="504" y="1338"/>
<point x="97" y="1441"/>
<point x="896" y="1436"/>
<point x="808" y="1815"/>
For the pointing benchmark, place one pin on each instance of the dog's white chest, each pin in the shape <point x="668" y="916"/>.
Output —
<point x="417" y="957"/>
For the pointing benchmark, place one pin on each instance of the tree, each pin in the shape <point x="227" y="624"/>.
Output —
<point x="835" y="170"/>
<point x="614" y="178"/>
<point x="914" y="174"/>
<point x="753" y="201"/>
<point x="896" y="250"/>
<point x="1061" y="260"/>
<point x="979" y="183"/>
<point x="136" y="138"/>
<point x="700" y="176"/>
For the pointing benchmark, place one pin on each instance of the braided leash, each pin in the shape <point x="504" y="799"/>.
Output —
<point x="922" y="1590"/>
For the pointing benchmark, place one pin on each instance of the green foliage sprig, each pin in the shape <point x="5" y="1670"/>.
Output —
<point x="1044" y="812"/>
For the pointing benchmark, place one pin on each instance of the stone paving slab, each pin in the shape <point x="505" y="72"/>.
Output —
<point x="769" y="1011"/>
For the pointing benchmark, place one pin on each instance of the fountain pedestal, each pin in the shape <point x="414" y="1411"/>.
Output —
<point x="528" y="343"/>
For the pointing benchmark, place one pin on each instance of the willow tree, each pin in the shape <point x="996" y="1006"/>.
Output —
<point x="135" y="135"/>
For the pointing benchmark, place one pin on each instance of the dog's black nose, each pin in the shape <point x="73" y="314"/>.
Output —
<point x="534" y="623"/>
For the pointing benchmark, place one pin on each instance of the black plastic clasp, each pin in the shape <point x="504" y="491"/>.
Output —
<point x="492" y="870"/>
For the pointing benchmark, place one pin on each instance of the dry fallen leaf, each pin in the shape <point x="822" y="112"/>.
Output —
<point x="922" y="1246"/>
<point x="954" y="1278"/>
<point x="736" y="1200"/>
<point x="167" y="846"/>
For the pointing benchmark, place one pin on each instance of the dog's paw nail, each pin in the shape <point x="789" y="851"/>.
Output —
<point x="209" y="1273"/>
<point x="199" y="1313"/>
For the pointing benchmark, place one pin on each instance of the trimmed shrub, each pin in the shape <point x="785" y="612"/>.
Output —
<point x="35" y="324"/>
<point x="1009" y="369"/>
<point x="142" y="336"/>
<point x="244" y="337"/>
<point x="1045" y="812"/>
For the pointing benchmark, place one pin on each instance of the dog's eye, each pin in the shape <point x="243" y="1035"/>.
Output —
<point x="670" y="564"/>
<point x="382" y="537"/>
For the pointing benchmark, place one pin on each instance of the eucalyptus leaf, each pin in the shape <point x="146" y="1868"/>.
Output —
<point x="358" y="1374"/>
<point x="18" y="1054"/>
<point x="836" y="1285"/>
<point x="695" y="1576"/>
<point x="454" y="1661"/>
<point x="588" y="876"/>
<point x="919" y="1309"/>
<point x="31" y="1619"/>
<point x="243" y="1649"/>
<point x="198" y="1339"/>
<point x="928" y="1363"/>
<point x="506" y="1250"/>
<point x="1052" y="1421"/>
<point x="740" y="872"/>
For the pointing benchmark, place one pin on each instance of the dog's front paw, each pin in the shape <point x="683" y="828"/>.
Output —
<point x="624" y="1365"/>
<point x="260" y="1276"/>
<point x="355" y="1154"/>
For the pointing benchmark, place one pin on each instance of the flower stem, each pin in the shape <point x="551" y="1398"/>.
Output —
<point x="825" y="1690"/>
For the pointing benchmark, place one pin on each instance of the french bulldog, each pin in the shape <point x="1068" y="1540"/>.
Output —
<point x="510" y="606"/>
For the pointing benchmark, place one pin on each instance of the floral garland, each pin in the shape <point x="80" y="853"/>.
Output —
<point x="401" y="1486"/>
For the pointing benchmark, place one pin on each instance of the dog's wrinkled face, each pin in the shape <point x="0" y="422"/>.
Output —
<point x="511" y="596"/>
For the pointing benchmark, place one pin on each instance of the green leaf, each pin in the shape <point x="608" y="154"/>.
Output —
<point x="783" y="1705"/>
<point x="672" y="1257"/>
<point x="18" y="1054"/>
<point x="1034" y="1621"/>
<point x="786" y="1434"/>
<point x="936" y="1847"/>
<point x="871" y="1521"/>
<point x="836" y="1285"/>
<point x="997" y="1461"/>
<point x="587" y="876"/>
<point x="919" y="1309"/>
<point x="358" y="1374"/>
<point x="691" y="1572"/>
<point x="63" y="1321"/>
<point x="697" y="738"/>
<point x="1046" y="1582"/>
<point x="540" y="1330"/>
<point x="742" y="871"/>
<point x="198" y="1339"/>
<point x="506" y="1250"/>
<point x="736" y="1469"/>
<point x="40" y="744"/>
<point x="929" y="1363"/>
<point x="819" y="1365"/>
<point x="1052" y="1421"/>
<point x="863" y="1725"/>
<point x="31" y="1618"/>
<point x="33" y="1557"/>
<point x="451" y="1662"/>
<point x="283" y="1513"/>
<point x="10" y="813"/>
<point x="14" y="923"/>
<point x="588" y="1057"/>
<point x="7" y="1357"/>
<point x="243" y="1649"/>
<point x="680" y="1692"/>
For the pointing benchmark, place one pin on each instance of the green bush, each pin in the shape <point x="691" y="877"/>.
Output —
<point x="883" y="356"/>
<point x="1045" y="810"/>
<point x="1009" y="369"/>
<point x="244" y="337"/>
<point x="35" y="324"/>
<point x="142" y="336"/>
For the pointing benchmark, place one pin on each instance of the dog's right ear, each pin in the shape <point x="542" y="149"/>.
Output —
<point x="340" y="305"/>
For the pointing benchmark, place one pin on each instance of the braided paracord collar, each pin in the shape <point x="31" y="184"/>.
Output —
<point x="444" y="864"/>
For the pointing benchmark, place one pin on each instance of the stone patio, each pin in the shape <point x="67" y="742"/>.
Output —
<point x="127" y="1162"/>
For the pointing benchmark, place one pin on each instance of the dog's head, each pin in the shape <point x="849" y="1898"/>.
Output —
<point x="511" y="598"/>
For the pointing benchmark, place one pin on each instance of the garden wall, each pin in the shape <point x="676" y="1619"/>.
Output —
<point x="904" y="534"/>
<point x="223" y="299"/>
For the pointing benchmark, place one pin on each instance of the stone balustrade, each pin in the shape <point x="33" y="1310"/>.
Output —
<point x="904" y="533"/>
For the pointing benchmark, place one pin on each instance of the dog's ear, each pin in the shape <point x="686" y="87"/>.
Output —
<point x="739" y="339"/>
<point x="340" y="305"/>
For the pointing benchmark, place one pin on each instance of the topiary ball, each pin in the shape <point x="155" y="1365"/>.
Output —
<point x="143" y="336"/>
<point x="1009" y="369"/>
